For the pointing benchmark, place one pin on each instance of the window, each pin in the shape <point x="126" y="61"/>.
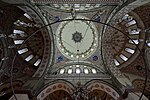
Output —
<point x="26" y="15"/>
<point x="86" y="71"/>
<point x="62" y="71"/>
<point x="123" y="57"/>
<point x="66" y="5"/>
<point x="67" y="53"/>
<point x="77" y="56"/>
<point x="18" y="32"/>
<point x="70" y="66"/>
<point x="70" y="71"/>
<point x="37" y="62"/>
<point x="83" y="56"/>
<point x="71" y="55"/>
<point x="78" y="71"/>
<point x="77" y="6"/>
<point x="18" y="41"/>
<point x="135" y="31"/>
<point x="93" y="71"/>
<point x="22" y="51"/>
<point x="92" y="49"/>
<point x="56" y="5"/>
<point x="131" y="23"/>
<point x="87" y="5"/>
<point x="135" y="41"/>
<point x="85" y="66"/>
<point x="29" y="57"/>
<point x="129" y="50"/>
<point x="148" y="44"/>
<point x="116" y="62"/>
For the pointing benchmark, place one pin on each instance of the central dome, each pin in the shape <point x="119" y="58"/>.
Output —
<point x="77" y="39"/>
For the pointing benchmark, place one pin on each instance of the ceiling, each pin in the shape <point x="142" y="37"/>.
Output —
<point x="74" y="42"/>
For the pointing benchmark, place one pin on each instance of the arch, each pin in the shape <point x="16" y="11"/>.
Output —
<point x="103" y="86"/>
<point x="58" y="85"/>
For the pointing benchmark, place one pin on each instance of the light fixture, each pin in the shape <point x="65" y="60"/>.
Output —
<point x="81" y="93"/>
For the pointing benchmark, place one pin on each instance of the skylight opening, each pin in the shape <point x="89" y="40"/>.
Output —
<point x="62" y="71"/>
<point x="93" y="71"/>
<point x="123" y="57"/>
<point x="26" y="15"/>
<point x="135" y="41"/>
<point x="116" y="62"/>
<point x="22" y="51"/>
<point x="29" y="58"/>
<point x="86" y="71"/>
<point x="37" y="62"/>
<point x="70" y="71"/>
<point x="18" y="41"/>
<point x="129" y="50"/>
<point x="78" y="71"/>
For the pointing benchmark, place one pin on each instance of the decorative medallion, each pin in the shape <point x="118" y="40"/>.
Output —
<point x="77" y="37"/>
